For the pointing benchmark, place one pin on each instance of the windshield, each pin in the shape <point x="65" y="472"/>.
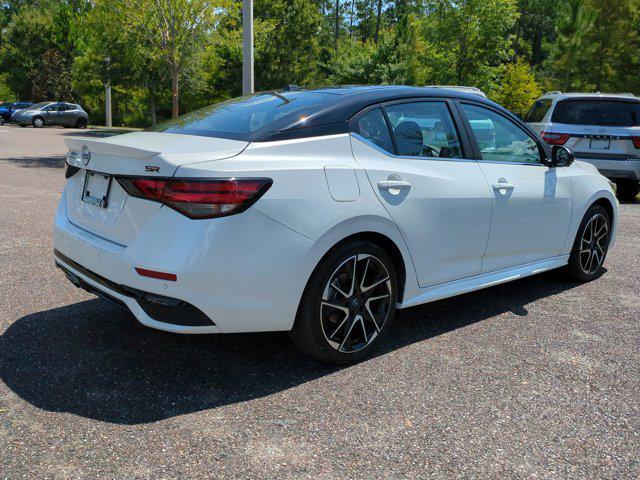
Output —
<point x="237" y="119"/>
<point x="597" y="112"/>
<point x="5" y="104"/>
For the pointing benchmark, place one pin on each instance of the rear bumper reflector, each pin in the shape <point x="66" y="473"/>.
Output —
<point x="159" y="275"/>
<point x="158" y="307"/>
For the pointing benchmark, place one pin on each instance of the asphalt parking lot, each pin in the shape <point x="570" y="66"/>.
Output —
<point x="535" y="379"/>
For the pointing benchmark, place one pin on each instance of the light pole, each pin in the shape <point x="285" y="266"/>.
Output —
<point x="247" y="47"/>
<point x="107" y="95"/>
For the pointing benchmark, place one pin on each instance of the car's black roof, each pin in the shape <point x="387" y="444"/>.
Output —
<point x="343" y="102"/>
<point x="299" y="113"/>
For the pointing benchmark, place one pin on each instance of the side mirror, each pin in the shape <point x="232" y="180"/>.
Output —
<point x="561" y="156"/>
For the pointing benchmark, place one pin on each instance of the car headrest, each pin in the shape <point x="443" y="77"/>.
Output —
<point x="409" y="138"/>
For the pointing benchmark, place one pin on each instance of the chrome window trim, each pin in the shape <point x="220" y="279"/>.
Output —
<point x="407" y="157"/>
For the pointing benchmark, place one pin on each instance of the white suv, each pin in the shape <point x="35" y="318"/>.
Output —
<point x="601" y="129"/>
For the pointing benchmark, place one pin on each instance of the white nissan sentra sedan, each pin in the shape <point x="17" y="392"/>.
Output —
<point x="323" y="211"/>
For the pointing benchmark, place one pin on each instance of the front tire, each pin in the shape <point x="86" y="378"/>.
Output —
<point x="2" y="121"/>
<point x="81" y="123"/>
<point x="38" y="122"/>
<point x="348" y="305"/>
<point x="591" y="245"/>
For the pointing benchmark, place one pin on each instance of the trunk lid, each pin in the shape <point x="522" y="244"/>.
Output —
<point x="148" y="154"/>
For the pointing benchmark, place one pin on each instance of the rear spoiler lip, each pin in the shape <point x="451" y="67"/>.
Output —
<point x="97" y="146"/>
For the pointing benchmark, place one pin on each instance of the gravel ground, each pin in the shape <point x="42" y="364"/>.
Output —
<point x="535" y="379"/>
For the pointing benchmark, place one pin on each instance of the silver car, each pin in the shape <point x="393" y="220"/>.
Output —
<point x="52" y="113"/>
<point x="601" y="129"/>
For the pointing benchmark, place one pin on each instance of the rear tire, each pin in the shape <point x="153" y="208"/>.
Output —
<point x="348" y="304"/>
<point x="2" y="121"/>
<point x="38" y="122"/>
<point x="81" y="123"/>
<point x="627" y="190"/>
<point x="590" y="246"/>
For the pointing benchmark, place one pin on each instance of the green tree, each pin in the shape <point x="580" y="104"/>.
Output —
<point x="471" y="38"/>
<point x="573" y="26"/>
<point x="24" y="43"/>
<point x="535" y="29"/>
<point x="174" y="31"/>
<point x="6" y="94"/>
<point x="612" y="46"/>
<point x="52" y="78"/>
<point x="517" y="87"/>
<point x="287" y="48"/>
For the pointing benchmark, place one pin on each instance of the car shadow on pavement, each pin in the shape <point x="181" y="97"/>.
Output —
<point x="33" y="162"/>
<point x="94" y="360"/>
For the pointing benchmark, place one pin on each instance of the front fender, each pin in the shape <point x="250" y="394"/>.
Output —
<point x="588" y="188"/>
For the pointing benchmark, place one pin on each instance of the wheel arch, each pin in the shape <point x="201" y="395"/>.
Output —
<point x="382" y="241"/>
<point x="605" y="203"/>
<point x="607" y="200"/>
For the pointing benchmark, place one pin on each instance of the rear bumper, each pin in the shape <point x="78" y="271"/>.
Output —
<point x="614" y="168"/>
<point x="159" y="308"/>
<point x="228" y="271"/>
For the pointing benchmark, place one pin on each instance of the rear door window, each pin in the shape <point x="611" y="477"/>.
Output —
<point x="424" y="129"/>
<point x="597" y="112"/>
<point x="538" y="110"/>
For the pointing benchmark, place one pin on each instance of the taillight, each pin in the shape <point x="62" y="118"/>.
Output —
<point x="555" y="138"/>
<point x="636" y="141"/>
<point x="199" y="198"/>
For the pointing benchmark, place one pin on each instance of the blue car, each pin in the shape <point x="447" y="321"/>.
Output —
<point x="7" y="109"/>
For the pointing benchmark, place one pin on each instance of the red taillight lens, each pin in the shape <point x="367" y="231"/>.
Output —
<point x="555" y="138"/>
<point x="636" y="141"/>
<point x="199" y="198"/>
<point x="150" y="188"/>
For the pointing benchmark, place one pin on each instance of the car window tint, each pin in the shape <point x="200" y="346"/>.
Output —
<point x="424" y="129"/>
<point x="240" y="117"/>
<point x="499" y="138"/>
<point x="373" y="127"/>
<point x="538" y="110"/>
<point x="597" y="112"/>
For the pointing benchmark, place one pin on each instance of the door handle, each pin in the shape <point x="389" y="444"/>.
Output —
<point x="393" y="185"/>
<point x="503" y="186"/>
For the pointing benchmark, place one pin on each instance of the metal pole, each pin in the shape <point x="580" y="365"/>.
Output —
<point x="107" y="94"/>
<point x="247" y="47"/>
<point x="107" y="100"/>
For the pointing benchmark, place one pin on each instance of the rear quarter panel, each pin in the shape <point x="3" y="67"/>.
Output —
<point x="301" y="199"/>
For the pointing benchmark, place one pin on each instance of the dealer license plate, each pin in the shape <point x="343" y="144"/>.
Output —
<point x="96" y="189"/>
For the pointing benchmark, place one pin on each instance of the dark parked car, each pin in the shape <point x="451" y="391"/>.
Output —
<point x="52" y="113"/>
<point x="8" y="108"/>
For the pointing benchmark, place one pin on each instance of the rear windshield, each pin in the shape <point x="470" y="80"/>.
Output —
<point x="538" y="110"/>
<point x="239" y="118"/>
<point x="597" y="112"/>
